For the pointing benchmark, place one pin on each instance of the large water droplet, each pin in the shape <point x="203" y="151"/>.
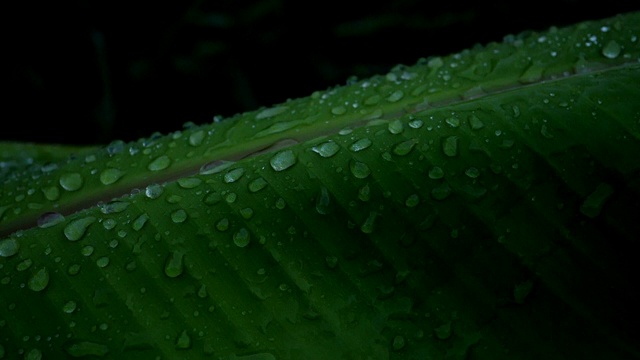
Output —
<point x="339" y="110"/>
<point x="395" y="127"/>
<point x="39" y="280"/>
<point x="153" y="191"/>
<point x="453" y="122"/>
<point x="322" y="201"/>
<point x="69" y="307"/>
<point x="436" y="172"/>
<point x="283" y="160"/>
<point x="475" y="122"/>
<point x="195" y="139"/>
<point x="159" y="163"/>
<point x="450" y="146"/>
<point x="9" y="247"/>
<point x="257" y="184"/>
<point x="114" y="207"/>
<point x="49" y="219"/>
<point x="241" y="238"/>
<point x="33" y="354"/>
<point x="71" y="181"/>
<point x="179" y="216"/>
<point x="360" y="145"/>
<point x="359" y="170"/>
<point x="611" y="50"/>
<point x="416" y="124"/>
<point x="86" y="348"/>
<point x="139" y="222"/>
<point x="102" y="262"/>
<point x="233" y="175"/>
<point x="174" y="265"/>
<point x="326" y="149"/>
<point x="110" y="176"/>
<point x="404" y="147"/>
<point x="367" y="226"/>
<point x="189" y="182"/>
<point x="77" y="228"/>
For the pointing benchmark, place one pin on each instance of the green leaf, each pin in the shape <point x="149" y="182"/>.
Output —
<point x="479" y="205"/>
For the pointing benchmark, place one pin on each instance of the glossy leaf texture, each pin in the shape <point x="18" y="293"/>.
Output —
<point x="480" y="205"/>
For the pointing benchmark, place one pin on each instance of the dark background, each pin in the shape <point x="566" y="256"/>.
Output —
<point x="90" y="72"/>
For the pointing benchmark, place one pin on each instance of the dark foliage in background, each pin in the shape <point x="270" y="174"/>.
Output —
<point x="89" y="72"/>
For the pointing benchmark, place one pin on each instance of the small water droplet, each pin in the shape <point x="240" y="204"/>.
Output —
<point x="359" y="170"/>
<point x="441" y="192"/>
<point x="71" y="181"/>
<point x="241" y="238"/>
<point x="246" y="213"/>
<point x="73" y="269"/>
<point x="102" y="262"/>
<point x="283" y="160"/>
<point x="322" y="201"/>
<point x="33" y="354"/>
<point x="86" y="348"/>
<point x="39" y="280"/>
<point x="49" y="219"/>
<point x="453" y="122"/>
<point x="183" y="341"/>
<point x="475" y="122"/>
<point x="271" y="112"/>
<point x="339" y="110"/>
<point x="139" y="222"/>
<point x="450" y="146"/>
<point x="544" y="130"/>
<point x="9" y="247"/>
<point x="436" y="172"/>
<point x="404" y="147"/>
<point x="280" y="204"/>
<point x="174" y="265"/>
<point x="179" y="216"/>
<point x="412" y="201"/>
<point x="360" y="145"/>
<point x="326" y="149"/>
<point x="230" y="198"/>
<point x="443" y="332"/>
<point x="87" y="250"/>
<point x="521" y="291"/>
<point x="416" y="124"/>
<point x="215" y="167"/>
<point x="189" y="183"/>
<point x="153" y="191"/>
<point x="212" y="199"/>
<point x="331" y="261"/>
<point x="395" y="127"/>
<point x="257" y="184"/>
<point x="113" y="207"/>
<point x="593" y="204"/>
<point x="367" y="226"/>
<point x="611" y="50"/>
<point x="395" y="96"/>
<point x="372" y="100"/>
<point x="364" y="194"/>
<point x="109" y="224"/>
<point x="77" y="228"/>
<point x="223" y="224"/>
<point x="398" y="343"/>
<point x="69" y="307"/>
<point x="51" y="193"/>
<point x="24" y="265"/>
<point x="160" y="163"/>
<point x="110" y="176"/>
<point x="233" y="175"/>
<point x="195" y="139"/>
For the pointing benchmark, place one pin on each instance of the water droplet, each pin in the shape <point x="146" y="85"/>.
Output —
<point x="521" y="291"/>
<point x="212" y="198"/>
<point x="327" y="149"/>
<point x="86" y="348"/>
<point x="183" y="341"/>
<point x="159" y="163"/>
<point x="322" y="201"/>
<point x="174" y="265"/>
<point x="113" y="207"/>
<point x="367" y="226"/>
<point x="364" y="194"/>
<point x="271" y="112"/>
<point x="395" y="96"/>
<point x="257" y="184"/>
<point x="475" y="122"/>
<point x="110" y="176"/>
<point x="441" y="192"/>
<point x="71" y="181"/>
<point x="280" y="204"/>
<point x="404" y="147"/>
<point x="202" y="292"/>
<point x="73" y="269"/>
<point x="359" y="170"/>
<point x="241" y="238"/>
<point x="39" y="280"/>
<point x="223" y="224"/>
<point x="195" y="139"/>
<point x="339" y="110"/>
<point x="33" y="354"/>
<point x="395" y="127"/>
<point x="593" y="204"/>
<point x="102" y="262"/>
<point x="436" y="172"/>
<point x="544" y="130"/>
<point x="412" y="201"/>
<point x="398" y="343"/>
<point x="52" y="193"/>
<point x="472" y="172"/>
<point x="69" y="307"/>
<point x="139" y="222"/>
<point x="189" y="183"/>
<point x="450" y="146"/>
<point x="24" y="265"/>
<point x="331" y="261"/>
<point x="9" y="247"/>
<point x="215" y="167"/>
<point x="416" y="124"/>
<point x="453" y="122"/>
<point x="49" y="219"/>
<point x="230" y="198"/>
<point x="109" y="224"/>
<point x="87" y="250"/>
<point x="372" y="100"/>
<point x="360" y="145"/>
<point x="153" y="191"/>
<point x="611" y="50"/>
<point x="178" y="216"/>
<point x="443" y="332"/>
<point x="77" y="228"/>
<point x="233" y="175"/>
<point x="246" y="213"/>
<point x="283" y="160"/>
